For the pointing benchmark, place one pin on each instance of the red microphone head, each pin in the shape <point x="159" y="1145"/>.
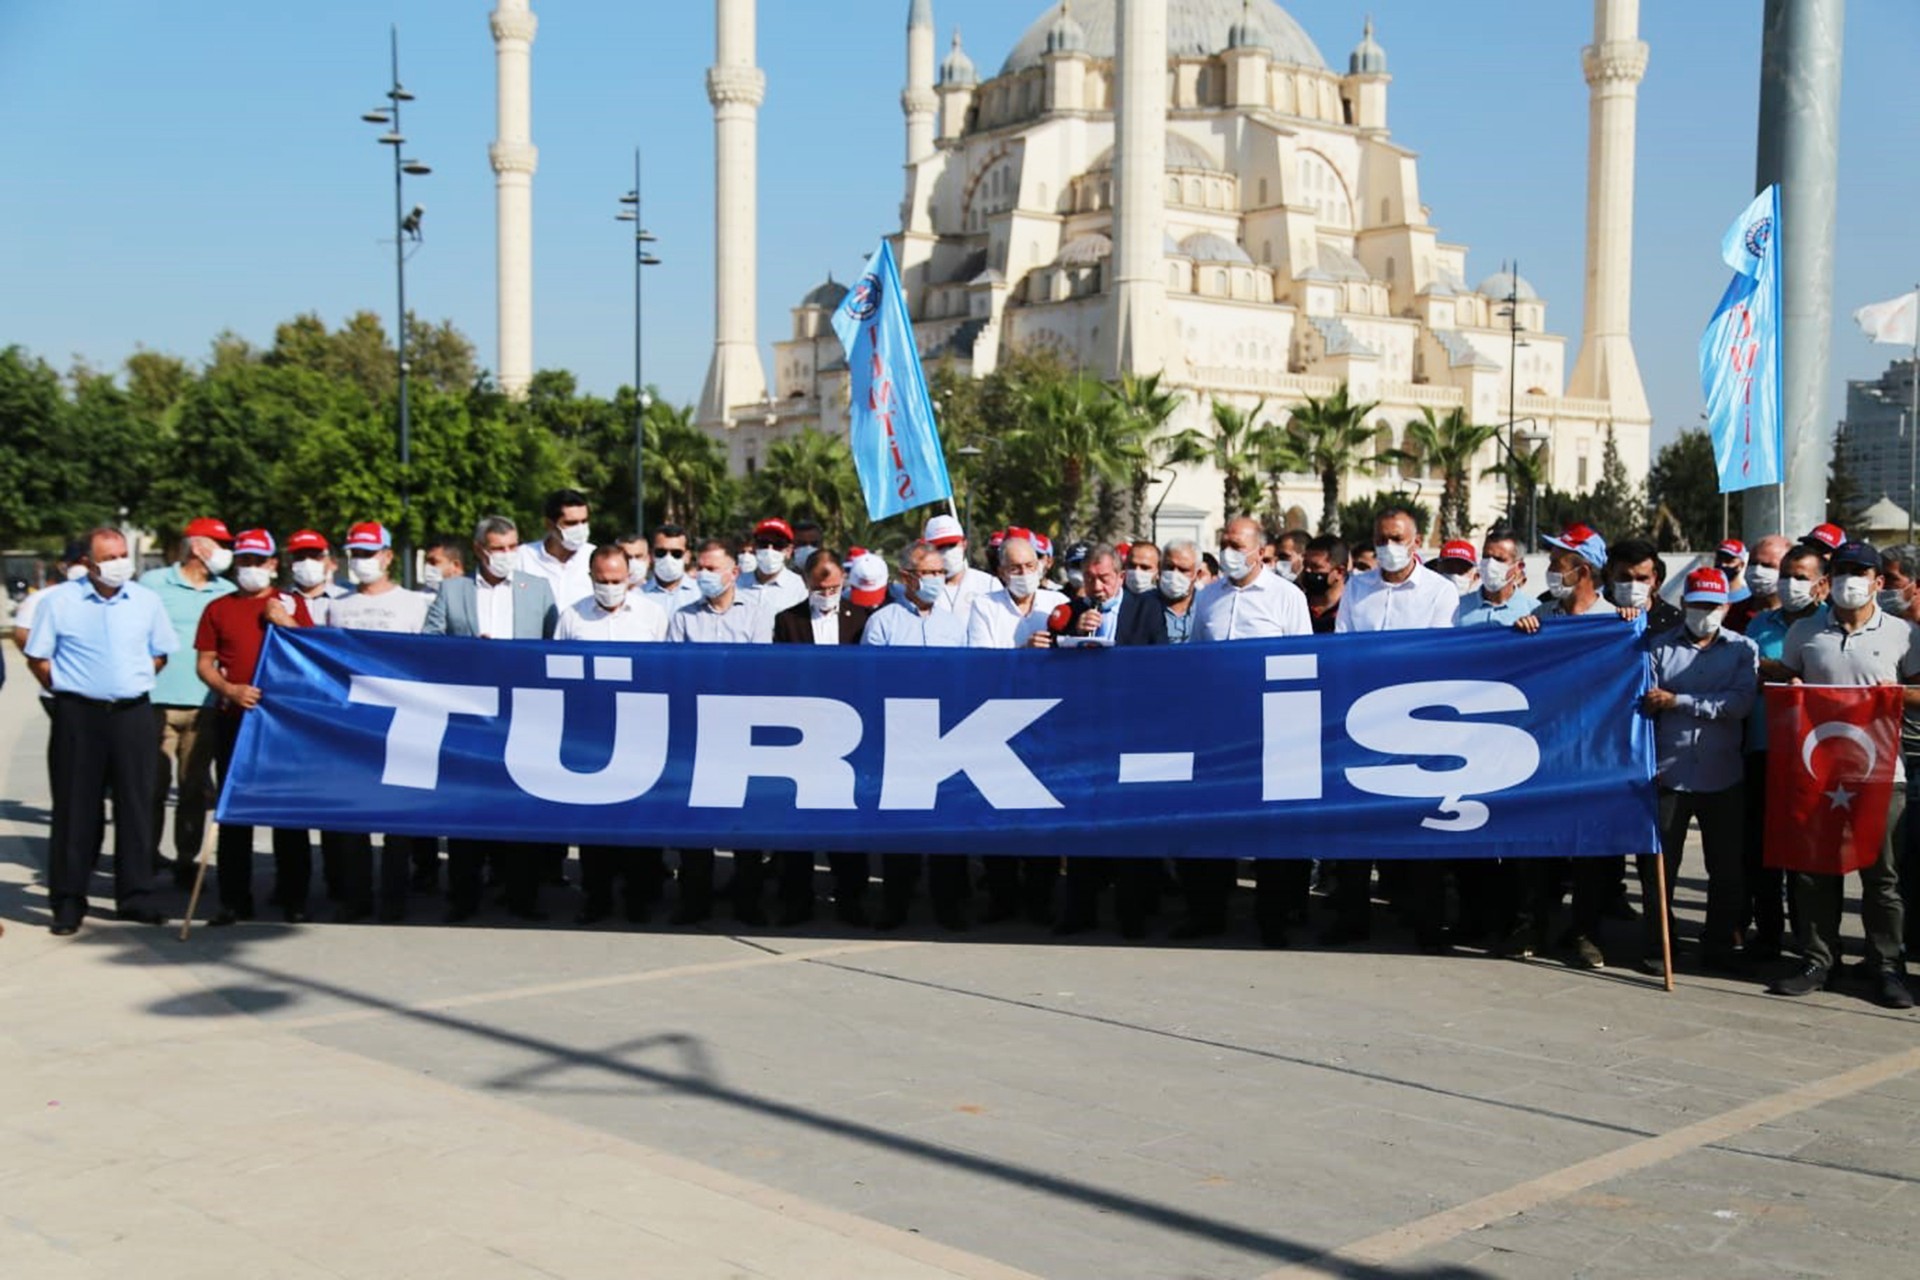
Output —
<point x="1060" y="621"/>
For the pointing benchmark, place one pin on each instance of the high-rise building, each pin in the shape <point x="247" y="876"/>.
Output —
<point x="1879" y="446"/>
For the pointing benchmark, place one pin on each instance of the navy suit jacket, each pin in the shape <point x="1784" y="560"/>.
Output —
<point x="1143" y="619"/>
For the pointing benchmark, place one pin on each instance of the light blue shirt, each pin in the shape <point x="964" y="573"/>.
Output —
<point x="1179" y="625"/>
<point x="1477" y="611"/>
<point x="674" y="598"/>
<point x="179" y="685"/>
<point x="900" y="624"/>
<point x="1697" y="743"/>
<point x="1768" y="631"/>
<point x="1109" y="620"/>
<point x="101" y="646"/>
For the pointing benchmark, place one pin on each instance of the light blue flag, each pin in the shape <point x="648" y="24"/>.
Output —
<point x="895" y="440"/>
<point x="1740" y="369"/>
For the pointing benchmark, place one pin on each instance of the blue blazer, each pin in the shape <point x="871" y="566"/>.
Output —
<point x="455" y="610"/>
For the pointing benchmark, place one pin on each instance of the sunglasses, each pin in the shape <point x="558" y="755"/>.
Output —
<point x="770" y="544"/>
<point x="670" y="553"/>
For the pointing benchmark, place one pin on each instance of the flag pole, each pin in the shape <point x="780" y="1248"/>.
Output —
<point x="199" y="876"/>
<point x="1666" y="918"/>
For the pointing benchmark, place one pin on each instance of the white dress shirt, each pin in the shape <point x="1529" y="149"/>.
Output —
<point x="637" y="618"/>
<point x="996" y="622"/>
<point x="493" y="607"/>
<point x="974" y="583"/>
<point x="1268" y="605"/>
<point x="826" y="626"/>
<point x="571" y="578"/>
<point x="747" y="620"/>
<point x="1422" y="599"/>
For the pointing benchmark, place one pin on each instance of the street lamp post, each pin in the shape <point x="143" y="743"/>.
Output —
<point x="969" y="452"/>
<point x="641" y="261"/>
<point x="406" y="230"/>
<point x="1511" y="312"/>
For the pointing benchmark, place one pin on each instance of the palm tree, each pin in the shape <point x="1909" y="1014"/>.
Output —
<point x="1331" y="436"/>
<point x="1529" y="474"/>
<point x="1449" y="444"/>
<point x="686" y="469"/>
<point x="1238" y="446"/>
<point x="1070" y="428"/>
<point x="810" y="474"/>
<point x="1148" y="408"/>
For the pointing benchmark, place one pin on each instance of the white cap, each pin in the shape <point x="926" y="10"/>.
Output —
<point x="867" y="572"/>
<point x="944" y="528"/>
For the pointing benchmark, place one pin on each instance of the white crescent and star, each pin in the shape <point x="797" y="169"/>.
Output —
<point x="1838" y="729"/>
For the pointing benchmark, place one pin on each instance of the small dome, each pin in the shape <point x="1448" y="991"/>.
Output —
<point x="957" y="68"/>
<point x="1066" y="35"/>
<point x="1182" y="153"/>
<point x="1207" y="246"/>
<point x="1195" y="29"/>
<point x="1503" y="284"/>
<point x="827" y="296"/>
<point x="1085" y="251"/>
<point x="1247" y="33"/>
<point x="1367" y="58"/>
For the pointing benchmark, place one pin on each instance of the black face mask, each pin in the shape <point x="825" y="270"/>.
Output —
<point x="1315" y="584"/>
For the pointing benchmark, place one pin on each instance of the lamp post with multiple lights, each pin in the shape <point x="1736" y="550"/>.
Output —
<point x="1510" y="312"/>
<point x="642" y="259"/>
<point x="406" y="231"/>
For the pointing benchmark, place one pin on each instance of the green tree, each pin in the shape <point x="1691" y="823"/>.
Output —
<point x="111" y="453"/>
<point x="1238" y="446"/>
<point x="1071" y="431"/>
<point x="687" y="480"/>
<point x="1528" y="472"/>
<point x="34" y="474"/>
<point x="1617" y="507"/>
<point x="1147" y="409"/>
<point x="1332" y="438"/>
<point x="1684" y="481"/>
<point x="1449" y="445"/>
<point x="811" y="475"/>
<point x="1358" y="514"/>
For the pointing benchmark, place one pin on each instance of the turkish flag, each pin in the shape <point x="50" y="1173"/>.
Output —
<point x="1831" y="751"/>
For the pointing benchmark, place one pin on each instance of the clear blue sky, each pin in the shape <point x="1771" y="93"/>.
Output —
<point x="176" y="170"/>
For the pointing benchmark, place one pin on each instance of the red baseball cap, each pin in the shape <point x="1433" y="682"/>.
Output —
<point x="253" y="542"/>
<point x="1830" y="536"/>
<point x="306" y="540"/>
<point x="1734" y="549"/>
<point x="1706" y="586"/>
<point x="1584" y="539"/>
<point x="773" y="525"/>
<point x="208" y="527"/>
<point x="368" y="535"/>
<point x="1459" y="549"/>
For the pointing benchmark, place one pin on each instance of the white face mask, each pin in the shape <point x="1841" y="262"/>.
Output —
<point x="503" y="564"/>
<point x="1702" y="623"/>
<point x="609" y="595"/>
<point x="745" y="562"/>
<point x="668" y="570"/>
<point x="1392" y="557"/>
<point x="1140" y="581"/>
<point x="254" y="577"/>
<point x="712" y="583"/>
<point x="75" y="572"/>
<point x="824" y="601"/>
<point x="769" y="560"/>
<point x="802" y="553"/>
<point x="114" y="573"/>
<point x="1557" y="585"/>
<point x="1284" y="567"/>
<point x="1493" y="574"/>
<point x="574" y="536"/>
<point x="928" y="587"/>
<point x="218" y="560"/>
<point x="1763" y="579"/>
<point x="954" y="558"/>
<point x="1892" y="600"/>
<point x="1851" y="591"/>
<point x="1629" y="595"/>
<point x="366" y="570"/>
<point x="1022" y="585"/>
<point x="1235" y="563"/>
<point x="1796" y="596"/>
<point x="1463" y="583"/>
<point x="431" y="576"/>
<point x="308" y="574"/>
<point x="1175" y="585"/>
<point x="637" y="570"/>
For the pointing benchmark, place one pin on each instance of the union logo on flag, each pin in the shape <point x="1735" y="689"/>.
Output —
<point x="1830" y="762"/>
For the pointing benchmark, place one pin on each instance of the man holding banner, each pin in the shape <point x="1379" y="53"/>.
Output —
<point x="1814" y="818"/>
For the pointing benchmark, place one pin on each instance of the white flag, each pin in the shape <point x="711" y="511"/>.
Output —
<point x="1894" y="321"/>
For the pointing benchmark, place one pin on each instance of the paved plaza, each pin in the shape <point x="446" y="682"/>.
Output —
<point x="490" y="1101"/>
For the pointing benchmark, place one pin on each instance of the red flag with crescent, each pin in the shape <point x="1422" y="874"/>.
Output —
<point x="1830" y="760"/>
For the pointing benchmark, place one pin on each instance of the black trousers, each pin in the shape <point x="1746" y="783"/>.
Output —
<point x="640" y="871"/>
<point x="1418" y="886"/>
<point x="357" y="872"/>
<point x="233" y="848"/>
<point x="793" y="883"/>
<point x="1722" y="818"/>
<point x="696" y="879"/>
<point x="947" y="883"/>
<point x="1280" y="890"/>
<point x="520" y="868"/>
<point x="1135" y="883"/>
<point x="95" y="745"/>
<point x="1766" y="887"/>
<point x="1020" y="885"/>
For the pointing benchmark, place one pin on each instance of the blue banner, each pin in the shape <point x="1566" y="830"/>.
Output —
<point x="1440" y="744"/>
<point x="895" y="440"/>
<point x="1740" y="356"/>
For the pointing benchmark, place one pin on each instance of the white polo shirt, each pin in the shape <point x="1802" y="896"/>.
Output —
<point x="997" y="623"/>
<point x="1269" y="605"/>
<point x="637" y="619"/>
<point x="1422" y="599"/>
<point x="571" y="578"/>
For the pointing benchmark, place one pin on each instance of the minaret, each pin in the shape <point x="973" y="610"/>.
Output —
<point x="1614" y="63"/>
<point x="1140" y="162"/>
<point x="514" y="159"/>
<point x="736" y="88"/>
<point x="919" y="101"/>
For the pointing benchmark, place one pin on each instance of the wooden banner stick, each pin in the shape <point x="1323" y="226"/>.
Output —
<point x="1666" y="918"/>
<point x="199" y="875"/>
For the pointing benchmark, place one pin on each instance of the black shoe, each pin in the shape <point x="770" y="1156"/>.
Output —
<point x="532" y="915"/>
<point x="147" y="915"/>
<point x="890" y="918"/>
<point x="62" y="929"/>
<point x="1804" y="981"/>
<point x="424" y="879"/>
<point x="750" y="914"/>
<point x="1273" y="935"/>
<point x="1890" y="990"/>
<point x="1652" y="966"/>
<point x="458" y="914"/>
<point x="294" y="915"/>
<point x="1434" y="942"/>
<point x="638" y="912"/>
<point x="1075" y="922"/>
<point x="851" y="914"/>
<point x="689" y="913"/>
<point x="592" y="915"/>
<point x="223" y="917"/>
<point x="1519" y="944"/>
<point x="1585" y="953"/>
<point x="794" y="915"/>
<point x="1339" y="935"/>
<point x="952" y="919"/>
<point x="1734" y="964"/>
<point x="1193" y="928"/>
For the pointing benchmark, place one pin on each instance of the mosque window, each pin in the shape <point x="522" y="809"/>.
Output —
<point x="1266" y="252"/>
<point x="1386" y="210"/>
<point x="1263" y="193"/>
<point x="1392" y="267"/>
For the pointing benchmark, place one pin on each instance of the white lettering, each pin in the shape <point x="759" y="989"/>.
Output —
<point x="919" y="757"/>
<point x="420" y="711"/>
<point x="1494" y="756"/>
<point x="639" y="756"/>
<point x="725" y="755"/>
<point x="1290" y="746"/>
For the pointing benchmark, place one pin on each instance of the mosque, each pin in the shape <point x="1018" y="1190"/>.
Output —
<point x="1185" y="187"/>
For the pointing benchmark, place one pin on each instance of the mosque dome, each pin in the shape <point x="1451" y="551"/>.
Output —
<point x="1195" y="29"/>
<point x="1066" y="35"/>
<point x="1503" y="284"/>
<point x="1182" y="153"/>
<point x="1367" y="58"/>
<point x="1085" y="251"/>
<point x="957" y="68"/>
<point x="1208" y="246"/>
<point x="827" y="296"/>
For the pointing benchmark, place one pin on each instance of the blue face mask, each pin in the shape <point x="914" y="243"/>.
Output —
<point x="711" y="584"/>
<point x="927" y="588"/>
